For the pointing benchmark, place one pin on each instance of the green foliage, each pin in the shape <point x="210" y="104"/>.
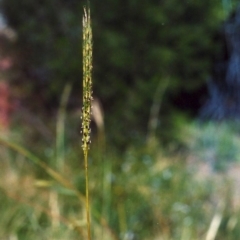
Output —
<point x="142" y="192"/>
<point x="138" y="194"/>
<point x="215" y="143"/>
<point x="137" y="46"/>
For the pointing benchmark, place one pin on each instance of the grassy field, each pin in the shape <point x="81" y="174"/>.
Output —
<point x="144" y="192"/>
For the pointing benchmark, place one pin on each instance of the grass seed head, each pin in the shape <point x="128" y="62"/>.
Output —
<point x="87" y="80"/>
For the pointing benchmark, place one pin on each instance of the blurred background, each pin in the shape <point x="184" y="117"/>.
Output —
<point x="165" y="149"/>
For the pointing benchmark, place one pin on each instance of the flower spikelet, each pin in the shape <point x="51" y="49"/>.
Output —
<point x="87" y="80"/>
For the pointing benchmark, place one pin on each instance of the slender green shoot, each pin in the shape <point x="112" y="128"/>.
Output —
<point x="60" y="128"/>
<point x="87" y="101"/>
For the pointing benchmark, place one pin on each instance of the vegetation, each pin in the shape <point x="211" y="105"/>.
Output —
<point x="138" y="45"/>
<point x="140" y="194"/>
<point x="140" y="188"/>
<point x="87" y="102"/>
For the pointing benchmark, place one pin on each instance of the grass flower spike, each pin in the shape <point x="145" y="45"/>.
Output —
<point x="87" y="101"/>
<point x="87" y="80"/>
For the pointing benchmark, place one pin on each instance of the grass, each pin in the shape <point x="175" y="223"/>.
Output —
<point x="141" y="195"/>
<point x="87" y="103"/>
<point x="146" y="196"/>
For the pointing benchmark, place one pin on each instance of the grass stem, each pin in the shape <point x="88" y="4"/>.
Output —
<point x="87" y="194"/>
<point x="87" y="102"/>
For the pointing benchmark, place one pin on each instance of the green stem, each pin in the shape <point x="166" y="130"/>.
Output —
<point x="87" y="194"/>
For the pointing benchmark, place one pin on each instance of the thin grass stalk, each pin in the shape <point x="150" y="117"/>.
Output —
<point x="155" y="109"/>
<point x="214" y="226"/>
<point x="87" y="102"/>
<point x="50" y="171"/>
<point x="60" y="128"/>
